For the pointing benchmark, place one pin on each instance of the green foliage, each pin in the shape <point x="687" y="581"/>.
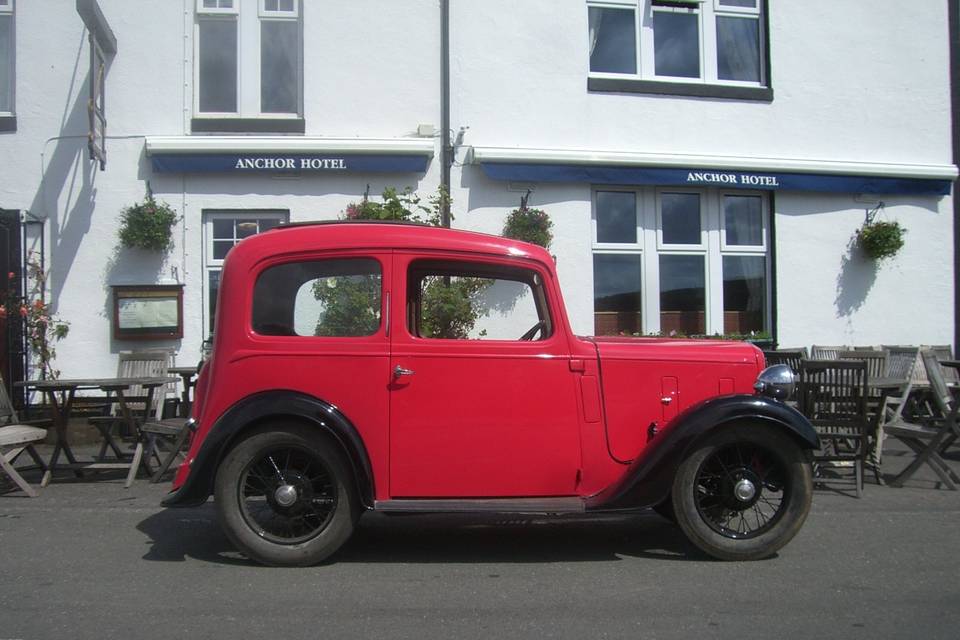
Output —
<point x="147" y="225"/>
<point x="41" y="328"/>
<point x="351" y="305"/>
<point x="403" y="206"/>
<point x="450" y="306"/>
<point x="881" y="239"/>
<point x="529" y="225"/>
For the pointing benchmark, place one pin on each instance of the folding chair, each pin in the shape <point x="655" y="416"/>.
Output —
<point x="789" y="357"/>
<point x="833" y="396"/>
<point x="927" y="441"/>
<point x="821" y="352"/>
<point x="132" y="364"/>
<point x="16" y="438"/>
<point x="176" y="431"/>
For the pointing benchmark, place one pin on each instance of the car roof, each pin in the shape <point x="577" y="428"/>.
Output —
<point x="379" y="235"/>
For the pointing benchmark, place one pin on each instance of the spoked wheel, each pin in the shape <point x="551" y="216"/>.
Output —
<point x="744" y="493"/>
<point x="286" y="497"/>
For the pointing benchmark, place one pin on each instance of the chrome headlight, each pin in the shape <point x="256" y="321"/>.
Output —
<point x="777" y="382"/>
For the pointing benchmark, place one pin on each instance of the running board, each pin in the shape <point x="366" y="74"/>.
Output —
<point x="485" y="505"/>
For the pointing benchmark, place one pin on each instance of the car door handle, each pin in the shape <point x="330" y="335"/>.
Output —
<point x="400" y="371"/>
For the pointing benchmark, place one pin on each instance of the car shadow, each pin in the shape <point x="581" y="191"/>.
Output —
<point x="176" y="535"/>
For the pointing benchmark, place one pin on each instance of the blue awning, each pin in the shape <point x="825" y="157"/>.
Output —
<point x="251" y="163"/>
<point x="769" y="181"/>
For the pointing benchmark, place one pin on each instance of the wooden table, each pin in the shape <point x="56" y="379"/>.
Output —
<point x="60" y="396"/>
<point x="189" y="377"/>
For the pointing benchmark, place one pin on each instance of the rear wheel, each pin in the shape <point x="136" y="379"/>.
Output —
<point x="743" y="493"/>
<point x="286" y="497"/>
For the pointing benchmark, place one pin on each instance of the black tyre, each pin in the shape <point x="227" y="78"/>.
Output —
<point x="286" y="497"/>
<point x="743" y="493"/>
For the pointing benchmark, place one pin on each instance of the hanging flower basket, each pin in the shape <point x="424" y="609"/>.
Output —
<point x="147" y="225"/>
<point x="529" y="225"/>
<point x="880" y="239"/>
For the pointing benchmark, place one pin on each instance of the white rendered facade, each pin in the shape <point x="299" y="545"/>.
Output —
<point x="872" y="100"/>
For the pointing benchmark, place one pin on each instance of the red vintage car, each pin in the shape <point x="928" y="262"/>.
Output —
<point x="411" y="369"/>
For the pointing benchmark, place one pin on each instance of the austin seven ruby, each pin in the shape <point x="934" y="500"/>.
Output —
<point x="411" y="369"/>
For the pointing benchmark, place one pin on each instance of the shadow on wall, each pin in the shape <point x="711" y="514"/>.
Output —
<point x="68" y="176"/>
<point x="130" y="266"/>
<point x="856" y="278"/>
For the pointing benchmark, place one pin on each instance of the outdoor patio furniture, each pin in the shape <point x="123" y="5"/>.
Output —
<point x="833" y="396"/>
<point x="175" y="432"/>
<point x="821" y="352"/>
<point x="132" y="364"/>
<point x="789" y="357"/>
<point x="944" y="353"/>
<point x="15" y="438"/>
<point x="927" y="440"/>
<point x="60" y="395"/>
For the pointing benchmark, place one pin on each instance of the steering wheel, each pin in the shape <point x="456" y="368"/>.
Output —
<point x="532" y="331"/>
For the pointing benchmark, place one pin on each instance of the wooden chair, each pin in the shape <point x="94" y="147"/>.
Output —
<point x="950" y="375"/>
<point x="789" y="357"/>
<point x="176" y="432"/>
<point x="927" y="440"/>
<point x="132" y="364"/>
<point x="821" y="352"/>
<point x="15" y="438"/>
<point x="833" y="396"/>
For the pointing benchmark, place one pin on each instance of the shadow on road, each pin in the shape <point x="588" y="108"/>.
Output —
<point x="178" y="534"/>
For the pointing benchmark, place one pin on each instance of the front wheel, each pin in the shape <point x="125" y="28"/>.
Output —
<point x="743" y="493"/>
<point x="286" y="497"/>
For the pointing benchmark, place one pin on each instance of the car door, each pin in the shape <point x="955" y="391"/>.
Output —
<point x="476" y="411"/>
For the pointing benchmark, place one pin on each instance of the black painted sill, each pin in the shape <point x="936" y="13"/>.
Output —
<point x="697" y="90"/>
<point x="247" y="125"/>
<point x="8" y="123"/>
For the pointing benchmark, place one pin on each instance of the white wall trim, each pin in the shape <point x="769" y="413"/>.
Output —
<point x="733" y="163"/>
<point x="287" y="144"/>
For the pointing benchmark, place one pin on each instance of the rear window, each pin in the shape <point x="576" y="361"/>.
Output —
<point x="338" y="297"/>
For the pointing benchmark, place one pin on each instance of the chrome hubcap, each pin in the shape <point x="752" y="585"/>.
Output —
<point x="285" y="495"/>
<point x="744" y="490"/>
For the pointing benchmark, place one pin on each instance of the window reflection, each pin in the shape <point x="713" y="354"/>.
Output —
<point x="680" y="213"/>
<point x="613" y="40"/>
<point x="744" y="294"/>
<point x="676" y="44"/>
<point x="616" y="217"/>
<point x="616" y="294"/>
<point x="682" y="294"/>
<point x="738" y="49"/>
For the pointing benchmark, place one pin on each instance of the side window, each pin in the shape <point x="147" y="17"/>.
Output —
<point x="474" y="301"/>
<point x="319" y="298"/>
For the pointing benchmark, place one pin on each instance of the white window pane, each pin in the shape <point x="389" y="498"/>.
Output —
<point x="222" y="229"/>
<point x="616" y="217"/>
<point x="218" y="66"/>
<point x="617" y="286"/>
<point x="680" y="217"/>
<point x="749" y="4"/>
<point x="613" y="40"/>
<point x="279" y="66"/>
<point x="683" y="288"/>
<point x="6" y="63"/>
<point x="743" y="220"/>
<point x="286" y="5"/>
<point x="270" y="5"/>
<point x="744" y="294"/>
<point x="738" y="49"/>
<point x="676" y="44"/>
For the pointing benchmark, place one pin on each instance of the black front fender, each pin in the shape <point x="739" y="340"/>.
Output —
<point x="259" y="409"/>
<point x="648" y="480"/>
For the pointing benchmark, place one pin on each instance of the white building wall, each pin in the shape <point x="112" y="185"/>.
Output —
<point x="371" y="70"/>
<point x="858" y="82"/>
<point x="852" y="81"/>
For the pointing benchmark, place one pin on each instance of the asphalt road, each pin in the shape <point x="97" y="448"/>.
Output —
<point x="93" y="560"/>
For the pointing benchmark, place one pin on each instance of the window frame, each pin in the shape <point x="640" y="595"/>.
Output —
<point x="649" y="247"/>
<point x="709" y="83"/>
<point x="211" y="264"/>
<point x="248" y="15"/>
<point x="8" y="120"/>
<point x="382" y="262"/>
<point x="424" y="265"/>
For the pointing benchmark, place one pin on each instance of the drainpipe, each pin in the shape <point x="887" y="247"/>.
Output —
<point x="446" y="152"/>
<point x="954" y="20"/>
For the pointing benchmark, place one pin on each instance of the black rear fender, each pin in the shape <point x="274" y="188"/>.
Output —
<point x="650" y="476"/>
<point x="259" y="410"/>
